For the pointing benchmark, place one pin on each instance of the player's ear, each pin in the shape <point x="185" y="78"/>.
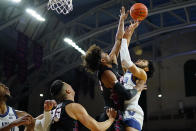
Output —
<point x="146" y="69"/>
<point x="68" y="91"/>
<point x="102" y="60"/>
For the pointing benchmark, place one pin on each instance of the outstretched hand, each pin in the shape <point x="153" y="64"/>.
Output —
<point x="111" y="113"/>
<point x="130" y="29"/>
<point x="123" y="15"/>
<point x="49" y="104"/>
<point x="134" y="25"/>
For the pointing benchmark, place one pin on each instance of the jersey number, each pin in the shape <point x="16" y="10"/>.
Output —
<point x="132" y="113"/>
<point x="6" y="123"/>
<point x="57" y="114"/>
<point x="126" y="80"/>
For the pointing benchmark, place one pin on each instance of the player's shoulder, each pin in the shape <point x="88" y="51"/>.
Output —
<point x="75" y="106"/>
<point x="21" y="113"/>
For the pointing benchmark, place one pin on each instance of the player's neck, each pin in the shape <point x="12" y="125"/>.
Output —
<point x="108" y="65"/>
<point x="3" y="107"/>
<point x="70" y="98"/>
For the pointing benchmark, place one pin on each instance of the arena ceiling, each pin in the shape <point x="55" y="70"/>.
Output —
<point x="91" y="21"/>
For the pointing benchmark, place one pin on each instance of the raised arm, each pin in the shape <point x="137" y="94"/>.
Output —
<point x="78" y="112"/>
<point x="43" y="121"/>
<point x="136" y="71"/>
<point x="129" y="31"/>
<point x="120" y="33"/>
<point x="127" y="64"/>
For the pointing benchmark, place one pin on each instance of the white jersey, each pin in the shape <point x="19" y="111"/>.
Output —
<point x="8" y="117"/>
<point x="132" y="104"/>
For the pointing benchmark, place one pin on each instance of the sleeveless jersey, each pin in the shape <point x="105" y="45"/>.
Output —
<point x="8" y="117"/>
<point x="111" y="98"/>
<point x="61" y="121"/>
<point x="132" y="104"/>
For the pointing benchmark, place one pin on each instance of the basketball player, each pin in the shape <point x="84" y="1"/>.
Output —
<point x="114" y="92"/>
<point x="43" y="121"/>
<point x="10" y="119"/>
<point x="67" y="112"/>
<point x="135" y="73"/>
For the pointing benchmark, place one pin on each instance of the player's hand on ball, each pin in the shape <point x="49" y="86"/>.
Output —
<point x="111" y="113"/>
<point x="134" y="25"/>
<point x="49" y="104"/>
<point x="130" y="29"/>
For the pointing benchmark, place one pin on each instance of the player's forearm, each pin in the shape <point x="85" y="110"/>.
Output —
<point x="102" y="126"/>
<point x="44" y="122"/>
<point x="116" y="48"/>
<point x="129" y="38"/>
<point x="7" y="127"/>
<point x="119" y="35"/>
<point x="47" y="119"/>
<point x="120" y="31"/>
<point x="123" y="92"/>
<point x="138" y="72"/>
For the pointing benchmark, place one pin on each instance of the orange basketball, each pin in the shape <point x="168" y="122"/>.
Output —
<point x="139" y="11"/>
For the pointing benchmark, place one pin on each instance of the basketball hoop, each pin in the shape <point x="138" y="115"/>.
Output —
<point x="61" y="6"/>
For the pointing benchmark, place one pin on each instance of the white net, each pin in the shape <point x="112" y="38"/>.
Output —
<point x="61" y="6"/>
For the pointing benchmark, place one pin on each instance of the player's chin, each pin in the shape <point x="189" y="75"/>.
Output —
<point x="137" y="64"/>
<point x="8" y="96"/>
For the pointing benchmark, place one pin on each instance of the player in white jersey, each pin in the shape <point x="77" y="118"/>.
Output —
<point x="43" y="122"/>
<point x="135" y="74"/>
<point x="133" y="115"/>
<point x="10" y="119"/>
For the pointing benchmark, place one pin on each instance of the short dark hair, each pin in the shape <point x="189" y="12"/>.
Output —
<point x="151" y="69"/>
<point x="56" y="87"/>
<point x="92" y="58"/>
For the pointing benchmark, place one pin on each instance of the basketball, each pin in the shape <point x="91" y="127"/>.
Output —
<point x="139" y="11"/>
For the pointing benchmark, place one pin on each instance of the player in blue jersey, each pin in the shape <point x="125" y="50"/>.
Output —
<point x="134" y="74"/>
<point x="10" y="119"/>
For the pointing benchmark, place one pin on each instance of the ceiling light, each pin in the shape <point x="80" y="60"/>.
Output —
<point x="16" y="1"/>
<point x="73" y="44"/>
<point x="35" y="14"/>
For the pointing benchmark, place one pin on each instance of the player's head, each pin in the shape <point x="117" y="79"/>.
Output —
<point x="4" y="92"/>
<point x="147" y="66"/>
<point x="61" y="90"/>
<point x="94" y="58"/>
